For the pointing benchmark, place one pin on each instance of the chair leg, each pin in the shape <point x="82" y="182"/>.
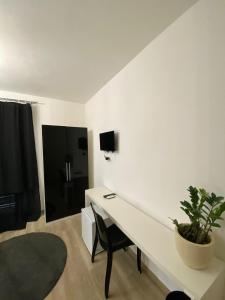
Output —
<point x="94" y="248"/>
<point x="139" y="259"/>
<point x="108" y="272"/>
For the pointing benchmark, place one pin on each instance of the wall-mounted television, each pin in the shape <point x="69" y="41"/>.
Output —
<point x="107" y="141"/>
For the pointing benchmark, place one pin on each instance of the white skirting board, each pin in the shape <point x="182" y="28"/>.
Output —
<point x="172" y="286"/>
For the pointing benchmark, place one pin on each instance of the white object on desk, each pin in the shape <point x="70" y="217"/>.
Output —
<point x="89" y="227"/>
<point x="157" y="242"/>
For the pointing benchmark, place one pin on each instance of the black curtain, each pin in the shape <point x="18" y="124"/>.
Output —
<point x="18" y="164"/>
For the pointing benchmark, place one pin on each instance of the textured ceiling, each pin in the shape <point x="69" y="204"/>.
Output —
<point x="69" y="49"/>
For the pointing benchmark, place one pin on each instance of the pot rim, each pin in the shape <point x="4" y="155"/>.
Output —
<point x="196" y="244"/>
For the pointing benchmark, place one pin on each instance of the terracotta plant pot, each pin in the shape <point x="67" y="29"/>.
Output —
<point x="195" y="256"/>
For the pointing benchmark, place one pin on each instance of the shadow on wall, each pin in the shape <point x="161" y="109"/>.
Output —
<point x="90" y="159"/>
<point x="117" y="141"/>
<point x="220" y="241"/>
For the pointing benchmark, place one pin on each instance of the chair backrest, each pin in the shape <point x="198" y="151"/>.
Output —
<point x="101" y="230"/>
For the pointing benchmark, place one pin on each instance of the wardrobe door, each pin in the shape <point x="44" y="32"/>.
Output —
<point x="77" y="158"/>
<point x="65" y="170"/>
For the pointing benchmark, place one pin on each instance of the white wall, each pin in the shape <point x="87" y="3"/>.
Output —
<point x="168" y="106"/>
<point x="51" y="112"/>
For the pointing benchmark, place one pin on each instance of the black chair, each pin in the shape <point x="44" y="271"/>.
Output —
<point x="177" y="295"/>
<point x="111" y="239"/>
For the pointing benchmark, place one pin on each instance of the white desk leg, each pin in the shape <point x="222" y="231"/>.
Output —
<point x="87" y="201"/>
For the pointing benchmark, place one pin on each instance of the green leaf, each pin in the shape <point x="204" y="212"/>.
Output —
<point x="186" y="204"/>
<point x="210" y="201"/>
<point x="194" y="195"/>
<point x="215" y="225"/>
<point x="222" y="207"/>
<point x="219" y="198"/>
<point x="186" y="210"/>
<point x="219" y="210"/>
<point x="175" y="222"/>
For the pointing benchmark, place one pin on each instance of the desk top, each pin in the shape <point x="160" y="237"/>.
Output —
<point x="157" y="242"/>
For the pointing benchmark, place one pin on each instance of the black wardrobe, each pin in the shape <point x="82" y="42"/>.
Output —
<point x="65" y="154"/>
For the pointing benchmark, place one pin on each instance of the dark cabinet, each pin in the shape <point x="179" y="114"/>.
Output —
<point x="65" y="156"/>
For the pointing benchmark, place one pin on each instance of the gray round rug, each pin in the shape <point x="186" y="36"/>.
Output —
<point x="30" y="266"/>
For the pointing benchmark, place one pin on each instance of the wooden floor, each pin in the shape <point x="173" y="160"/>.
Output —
<point x="83" y="280"/>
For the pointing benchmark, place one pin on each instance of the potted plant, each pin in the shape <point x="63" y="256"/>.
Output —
<point x="194" y="240"/>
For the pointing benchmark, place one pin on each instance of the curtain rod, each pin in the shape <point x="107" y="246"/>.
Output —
<point x="4" y="99"/>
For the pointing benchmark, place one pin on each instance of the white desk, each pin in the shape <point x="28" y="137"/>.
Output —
<point x="157" y="242"/>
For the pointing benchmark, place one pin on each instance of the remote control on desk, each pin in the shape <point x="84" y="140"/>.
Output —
<point x="110" y="196"/>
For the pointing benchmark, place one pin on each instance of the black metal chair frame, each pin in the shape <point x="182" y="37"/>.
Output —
<point x="102" y="235"/>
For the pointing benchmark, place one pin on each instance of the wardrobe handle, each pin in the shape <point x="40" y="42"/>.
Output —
<point x="67" y="173"/>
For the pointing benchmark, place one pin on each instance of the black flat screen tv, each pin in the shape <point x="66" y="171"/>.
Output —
<point x="107" y="141"/>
